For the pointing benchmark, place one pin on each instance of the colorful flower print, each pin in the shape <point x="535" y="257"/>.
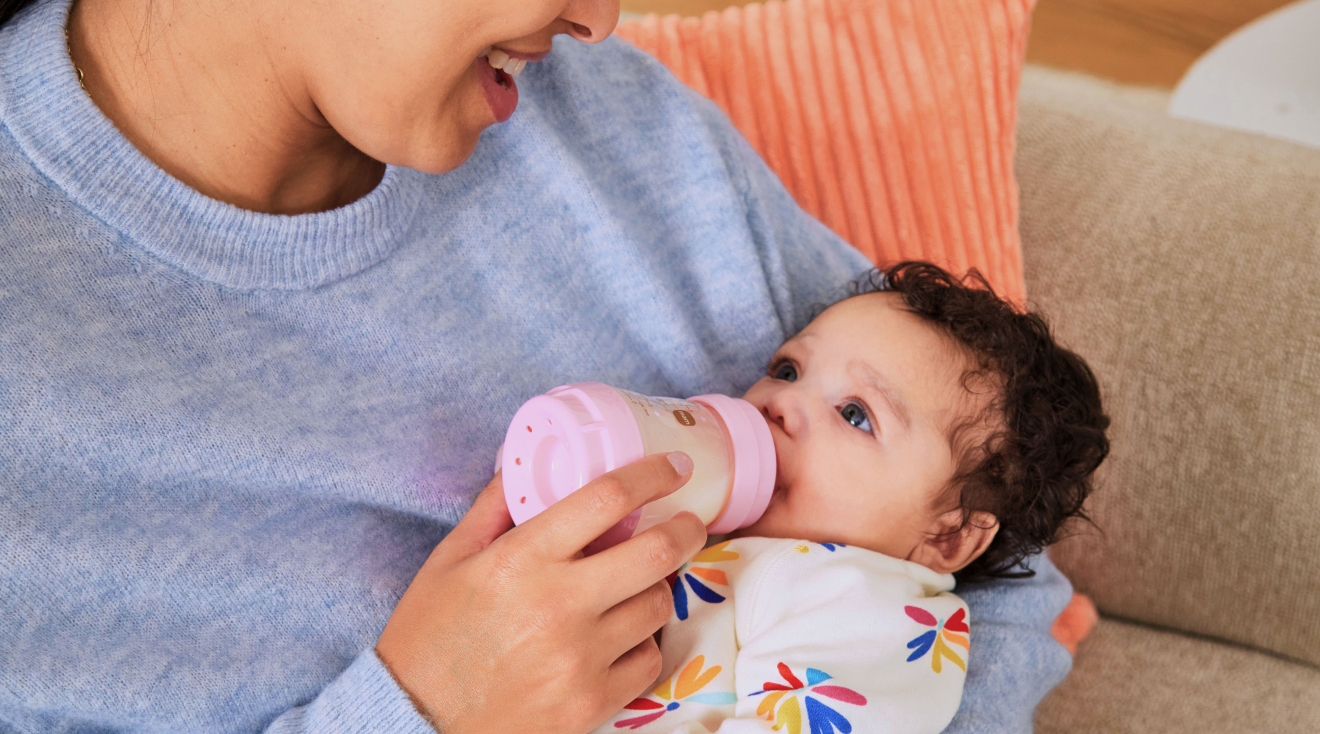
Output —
<point x="831" y="547"/>
<point x="939" y="637"/>
<point x="689" y="572"/>
<point x="686" y="690"/>
<point x="820" y="718"/>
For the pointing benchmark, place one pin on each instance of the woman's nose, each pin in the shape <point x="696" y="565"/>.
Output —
<point x="591" y="21"/>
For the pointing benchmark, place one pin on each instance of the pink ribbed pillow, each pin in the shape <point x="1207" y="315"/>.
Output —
<point x="892" y="121"/>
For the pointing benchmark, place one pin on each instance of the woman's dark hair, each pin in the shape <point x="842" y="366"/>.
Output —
<point x="9" y="8"/>
<point x="1033" y="468"/>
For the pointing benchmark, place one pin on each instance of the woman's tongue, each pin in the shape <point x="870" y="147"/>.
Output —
<point x="500" y="88"/>
<point x="504" y="79"/>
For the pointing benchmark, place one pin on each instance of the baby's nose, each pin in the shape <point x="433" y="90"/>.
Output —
<point x="784" y="409"/>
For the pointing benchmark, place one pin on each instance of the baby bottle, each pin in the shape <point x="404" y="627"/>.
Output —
<point x="567" y="437"/>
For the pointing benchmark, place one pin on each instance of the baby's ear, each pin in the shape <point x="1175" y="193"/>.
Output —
<point x="951" y="544"/>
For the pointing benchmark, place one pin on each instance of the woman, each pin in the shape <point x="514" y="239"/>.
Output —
<point x="273" y="282"/>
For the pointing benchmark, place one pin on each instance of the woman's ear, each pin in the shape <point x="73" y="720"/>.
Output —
<point x="950" y="544"/>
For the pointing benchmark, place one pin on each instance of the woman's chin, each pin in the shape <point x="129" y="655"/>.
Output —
<point x="437" y="167"/>
<point x="438" y="161"/>
<point x="435" y="146"/>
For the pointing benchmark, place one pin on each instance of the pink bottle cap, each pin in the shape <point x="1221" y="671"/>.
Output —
<point x="563" y="439"/>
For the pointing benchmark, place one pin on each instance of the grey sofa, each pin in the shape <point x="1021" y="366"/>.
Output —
<point x="1184" y="262"/>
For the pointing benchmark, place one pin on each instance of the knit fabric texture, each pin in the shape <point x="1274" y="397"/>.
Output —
<point x="892" y="121"/>
<point x="230" y="439"/>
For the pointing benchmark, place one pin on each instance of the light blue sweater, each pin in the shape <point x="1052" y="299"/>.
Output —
<point x="228" y="440"/>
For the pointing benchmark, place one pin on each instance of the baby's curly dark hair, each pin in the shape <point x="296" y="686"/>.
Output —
<point x="1033" y="471"/>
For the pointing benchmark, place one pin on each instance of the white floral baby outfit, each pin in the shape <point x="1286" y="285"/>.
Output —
<point x="792" y="636"/>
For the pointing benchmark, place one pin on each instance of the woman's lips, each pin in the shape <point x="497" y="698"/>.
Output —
<point x="503" y="98"/>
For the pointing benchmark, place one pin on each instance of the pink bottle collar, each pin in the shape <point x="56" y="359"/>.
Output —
<point x="753" y="462"/>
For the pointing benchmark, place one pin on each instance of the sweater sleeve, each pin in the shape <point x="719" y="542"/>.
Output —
<point x="364" y="698"/>
<point x="1015" y="661"/>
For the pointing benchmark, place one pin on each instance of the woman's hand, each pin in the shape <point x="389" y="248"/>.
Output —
<point x="510" y="629"/>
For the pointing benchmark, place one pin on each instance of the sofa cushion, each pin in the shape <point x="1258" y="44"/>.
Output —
<point x="889" y="120"/>
<point x="1183" y="261"/>
<point x="1129" y="678"/>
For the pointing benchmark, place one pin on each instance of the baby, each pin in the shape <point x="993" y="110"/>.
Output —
<point x="925" y="430"/>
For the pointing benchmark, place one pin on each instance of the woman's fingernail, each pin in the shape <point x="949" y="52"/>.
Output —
<point x="681" y="462"/>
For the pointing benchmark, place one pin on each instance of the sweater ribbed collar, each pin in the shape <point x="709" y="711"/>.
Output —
<point x="72" y="143"/>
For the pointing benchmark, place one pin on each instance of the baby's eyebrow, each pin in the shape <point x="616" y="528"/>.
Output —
<point x="876" y="384"/>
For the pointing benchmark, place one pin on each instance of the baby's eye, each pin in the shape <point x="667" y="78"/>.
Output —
<point x="784" y="371"/>
<point x="856" y="416"/>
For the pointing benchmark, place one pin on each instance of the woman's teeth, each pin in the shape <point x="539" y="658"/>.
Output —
<point x="500" y="60"/>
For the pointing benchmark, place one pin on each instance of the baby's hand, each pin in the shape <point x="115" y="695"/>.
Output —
<point x="510" y="629"/>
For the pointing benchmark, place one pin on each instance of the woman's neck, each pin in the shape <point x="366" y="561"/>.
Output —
<point x="209" y="95"/>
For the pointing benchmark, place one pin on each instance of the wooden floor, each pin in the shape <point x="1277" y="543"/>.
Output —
<point x="1137" y="41"/>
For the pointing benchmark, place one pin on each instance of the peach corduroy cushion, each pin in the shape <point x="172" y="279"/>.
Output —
<point x="892" y="121"/>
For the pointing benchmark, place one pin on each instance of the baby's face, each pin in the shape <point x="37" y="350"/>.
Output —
<point x="861" y="404"/>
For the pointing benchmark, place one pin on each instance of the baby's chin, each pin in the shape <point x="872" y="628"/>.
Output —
<point x="768" y="521"/>
<point x="777" y="522"/>
<point x="770" y="530"/>
<point x="780" y="522"/>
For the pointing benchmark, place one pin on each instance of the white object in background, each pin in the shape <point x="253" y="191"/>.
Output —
<point x="1263" y="78"/>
